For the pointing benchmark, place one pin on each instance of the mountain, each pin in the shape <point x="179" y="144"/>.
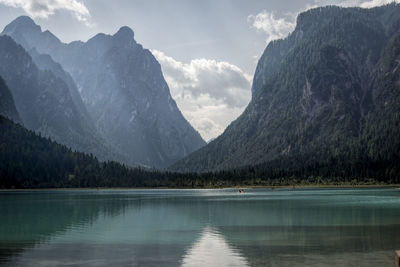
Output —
<point x="330" y="90"/>
<point x="123" y="88"/>
<point x="28" y="160"/>
<point x="45" y="104"/>
<point x="7" y="105"/>
<point x="46" y="63"/>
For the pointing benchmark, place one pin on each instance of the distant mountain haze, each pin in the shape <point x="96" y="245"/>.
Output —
<point x="120" y="86"/>
<point x="44" y="102"/>
<point x="46" y="63"/>
<point x="7" y="105"/>
<point x="331" y="89"/>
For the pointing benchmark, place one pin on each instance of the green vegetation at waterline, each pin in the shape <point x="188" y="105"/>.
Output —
<point x="31" y="161"/>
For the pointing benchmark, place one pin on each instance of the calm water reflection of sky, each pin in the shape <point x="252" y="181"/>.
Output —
<point x="337" y="227"/>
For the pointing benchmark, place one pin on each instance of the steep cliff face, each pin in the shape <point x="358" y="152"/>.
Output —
<point x="317" y="91"/>
<point x="46" y="63"/>
<point x="125" y="92"/>
<point x="44" y="102"/>
<point x="122" y="87"/>
<point x="7" y="105"/>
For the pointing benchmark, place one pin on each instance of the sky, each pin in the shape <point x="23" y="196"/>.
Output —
<point x="208" y="49"/>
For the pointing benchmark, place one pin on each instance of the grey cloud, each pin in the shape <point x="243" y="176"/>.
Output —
<point x="39" y="7"/>
<point x="220" y="80"/>
<point x="46" y="8"/>
<point x="210" y="94"/>
<point x="274" y="27"/>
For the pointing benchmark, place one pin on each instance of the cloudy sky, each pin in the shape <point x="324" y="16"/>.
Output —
<point x="208" y="49"/>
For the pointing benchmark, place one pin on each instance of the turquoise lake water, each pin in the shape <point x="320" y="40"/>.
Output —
<point x="263" y="227"/>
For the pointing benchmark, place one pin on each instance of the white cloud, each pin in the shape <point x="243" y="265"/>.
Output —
<point x="46" y="8"/>
<point x="280" y="27"/>
<point x="366" y="4"/>
<point x="209" y="93"/>
<point x="275" y="28"/>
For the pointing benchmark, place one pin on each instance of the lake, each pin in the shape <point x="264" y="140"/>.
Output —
<point x="262" y="227"/>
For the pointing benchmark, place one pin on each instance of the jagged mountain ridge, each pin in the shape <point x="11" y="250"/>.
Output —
<point x="322" y="90"/>
<point x="123" y="89"/>
<point x="44" y="102"/>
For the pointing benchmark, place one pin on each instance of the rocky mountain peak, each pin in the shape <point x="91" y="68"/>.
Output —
<point x="22" y="22"/>
<point x="122" y="87"/>
<point x="125" y="35"/>
<point x="125" y="32"/>
<point x="27" y="33"/>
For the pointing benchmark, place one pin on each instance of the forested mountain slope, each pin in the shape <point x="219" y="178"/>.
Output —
<point x="331" y="89"/>
<point x="123" y="89"/>
<point x="45" y="104"/>
<point x="28" y="160"/>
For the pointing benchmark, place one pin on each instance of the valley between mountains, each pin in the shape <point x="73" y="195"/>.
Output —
<point x="325" y="109"/>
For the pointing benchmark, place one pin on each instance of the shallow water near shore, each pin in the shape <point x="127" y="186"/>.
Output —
<point x="262" y="227"/>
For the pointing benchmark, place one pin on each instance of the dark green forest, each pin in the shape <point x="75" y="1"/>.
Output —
<point x="325" y="111"/>
<point x="28" y="160"/>
<point x="330" y="92"/>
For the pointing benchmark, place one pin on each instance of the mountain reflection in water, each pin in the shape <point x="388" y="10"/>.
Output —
<point x="335" y="227"/>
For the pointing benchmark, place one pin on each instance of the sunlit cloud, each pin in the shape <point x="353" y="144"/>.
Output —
<point x="210" y="94"/>
<point x="275" y="28"/>
<point x="46" y="8"/>
<point x="366" y="4"/>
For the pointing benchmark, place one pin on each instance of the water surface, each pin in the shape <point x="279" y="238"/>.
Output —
<point x="310" y="227"/>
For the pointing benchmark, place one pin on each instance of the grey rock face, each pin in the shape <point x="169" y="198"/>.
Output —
<point x="322" y="88"/>
<point x="123" y="88"/>
<point x="7" y="105"/>
<point x="44" y="102"/>
<point x="46" y="63"/>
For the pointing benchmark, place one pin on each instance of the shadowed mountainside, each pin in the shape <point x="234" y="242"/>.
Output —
<point x="123" y="88"/>
<point x="330" y="90"/>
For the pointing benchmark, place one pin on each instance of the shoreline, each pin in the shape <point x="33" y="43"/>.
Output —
<point x="377" y="186"/>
